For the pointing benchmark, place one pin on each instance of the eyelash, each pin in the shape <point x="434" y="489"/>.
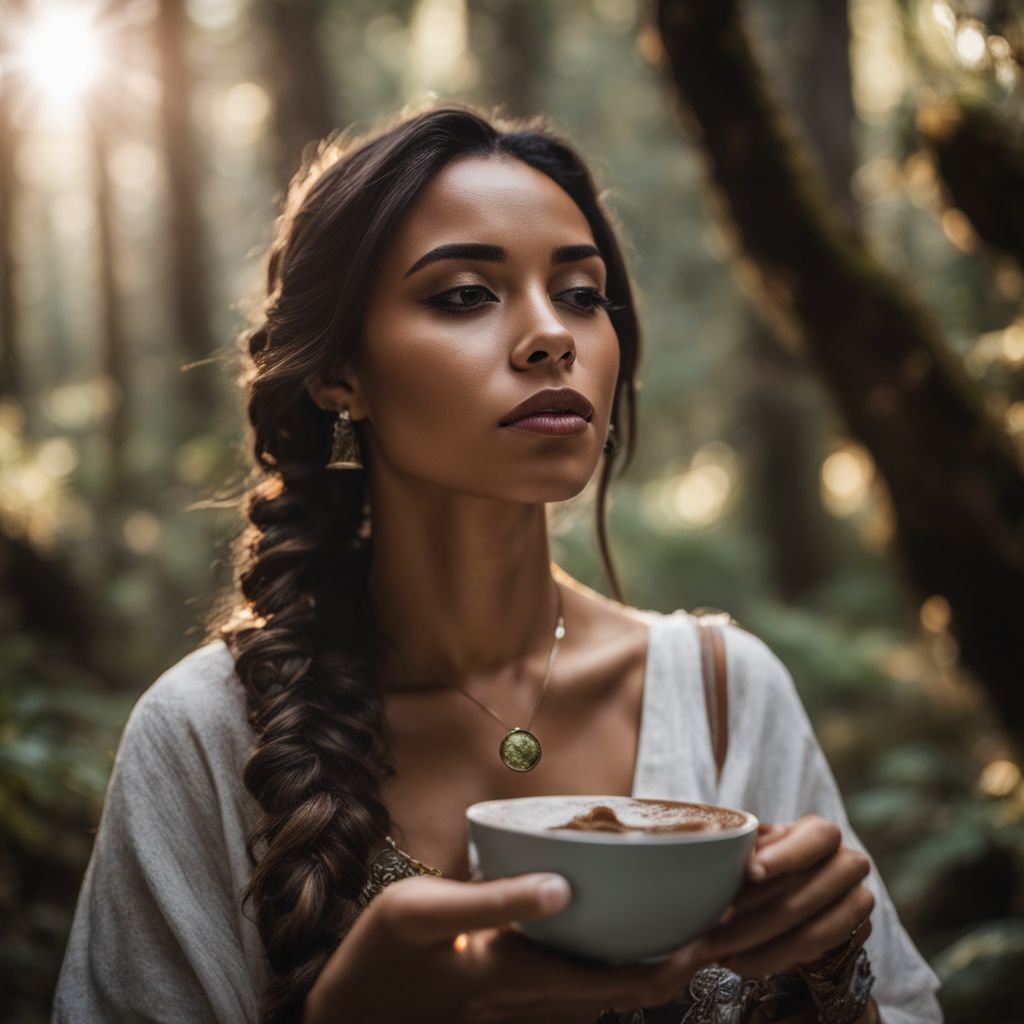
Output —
<point x="439" y="301"/>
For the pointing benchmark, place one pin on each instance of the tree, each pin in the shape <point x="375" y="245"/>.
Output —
<point x="980" y="157"/>
<point x="114" y="357"/>
<point x="10" y="362"/>
<point x="780" y="397"/>
<point x="953" y="475"/>
<point x="303" y="109"/>
<point x="515" y="39"/>
<point x="189" y="276"/>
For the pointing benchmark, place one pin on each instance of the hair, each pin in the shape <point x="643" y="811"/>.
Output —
<point x="298" y="623"/>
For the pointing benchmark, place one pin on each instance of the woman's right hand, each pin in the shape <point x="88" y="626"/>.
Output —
<point x="435" y="949"/>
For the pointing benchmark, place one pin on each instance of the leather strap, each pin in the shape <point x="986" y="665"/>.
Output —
<point x="716" y="683"/>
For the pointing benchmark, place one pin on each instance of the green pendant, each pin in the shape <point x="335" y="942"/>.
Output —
<point x="520" y="750"/>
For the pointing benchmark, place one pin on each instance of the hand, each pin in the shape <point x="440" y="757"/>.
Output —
<point x="803" y="897"/>
<point x="433" y="949"/>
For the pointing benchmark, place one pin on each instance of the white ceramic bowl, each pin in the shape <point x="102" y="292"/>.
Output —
<point x="636" y="896"/>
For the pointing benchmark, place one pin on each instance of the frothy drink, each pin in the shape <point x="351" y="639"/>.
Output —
<point x="611" y="815"/>
<point x="654" y="816"/>
<point x="647" y="875"/>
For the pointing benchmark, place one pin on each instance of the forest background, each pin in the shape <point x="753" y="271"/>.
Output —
<point x="822" y="202"/>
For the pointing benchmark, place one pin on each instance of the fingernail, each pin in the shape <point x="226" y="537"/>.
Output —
<point x="553" y="892"/>
<point x="757" y="871"/>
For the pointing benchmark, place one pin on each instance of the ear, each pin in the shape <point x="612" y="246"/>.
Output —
<point x="338" y="391"/>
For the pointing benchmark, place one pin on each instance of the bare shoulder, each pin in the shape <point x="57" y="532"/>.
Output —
<point x="601" y="630"/>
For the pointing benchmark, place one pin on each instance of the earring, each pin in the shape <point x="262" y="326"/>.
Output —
<point x="611" y="445"/>
<point x="345" y="444"/>
<point x="365" y="529"/>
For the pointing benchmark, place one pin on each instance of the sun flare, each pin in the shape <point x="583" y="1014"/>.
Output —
<point x="61" y="53"/>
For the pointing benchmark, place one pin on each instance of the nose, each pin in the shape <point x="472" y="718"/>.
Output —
<point x="544" y="338"/>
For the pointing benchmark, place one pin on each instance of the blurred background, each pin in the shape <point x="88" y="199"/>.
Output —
<point x="823" y="206"/>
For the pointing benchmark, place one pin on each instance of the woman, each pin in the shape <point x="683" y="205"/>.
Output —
<point x="448" y="344"/>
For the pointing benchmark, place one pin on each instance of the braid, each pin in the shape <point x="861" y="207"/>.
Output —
<point x="316" y="765"/>
<point x="318" y="761"/>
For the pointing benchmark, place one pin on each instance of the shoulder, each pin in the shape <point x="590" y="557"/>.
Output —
<point x="198" y="704"/>
<point x="760" y="685"/>
<point x="754" y="661"/>
<point x="203" y="680"/>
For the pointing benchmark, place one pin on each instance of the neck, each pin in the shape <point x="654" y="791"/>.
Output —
<point x="461" y="587"/>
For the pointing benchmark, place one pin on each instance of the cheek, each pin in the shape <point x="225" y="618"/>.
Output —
<point x="606" y="365"/>
<point x="429" y="385"/>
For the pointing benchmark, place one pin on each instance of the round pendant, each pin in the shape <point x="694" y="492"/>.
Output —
<point x="520" y="750"/>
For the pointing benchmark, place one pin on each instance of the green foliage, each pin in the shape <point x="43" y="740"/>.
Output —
<point x="984" y="968"/>
<point x="58" y="731"/>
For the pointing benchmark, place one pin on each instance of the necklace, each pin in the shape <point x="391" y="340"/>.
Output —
<point x="520" y="749"/>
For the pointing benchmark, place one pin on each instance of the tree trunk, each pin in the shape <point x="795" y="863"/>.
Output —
<point x="114" y="355"/>
<point x="302" y="87"/>
<point x="980" y="157"/>
<point x="514" y="39"/>
<point x="777" y="411"/>
<point x="189" y="271"/>
<point x="10" y="349"/>
<point x="44" y="599"/>
<point x="824" y="102"/>
<point x="953" y="475"/>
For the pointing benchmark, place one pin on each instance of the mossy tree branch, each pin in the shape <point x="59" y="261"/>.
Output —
<point x="980" y="158"/>
<point x="953" y="475"/>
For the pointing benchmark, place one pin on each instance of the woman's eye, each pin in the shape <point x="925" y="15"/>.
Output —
<point x="465" y="298"/>
<point x="589" y="299"/>
<point x="462" y="299"/>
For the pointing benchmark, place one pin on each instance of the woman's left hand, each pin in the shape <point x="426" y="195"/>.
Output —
<point x="803" y="896"/>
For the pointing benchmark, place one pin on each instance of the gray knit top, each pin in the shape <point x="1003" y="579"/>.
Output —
<point x="159" y="933"/>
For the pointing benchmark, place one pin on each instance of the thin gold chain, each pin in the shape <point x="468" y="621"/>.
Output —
<point x="559" y="633"/>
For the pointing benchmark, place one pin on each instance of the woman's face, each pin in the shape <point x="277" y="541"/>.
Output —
<point x="453" y="343"/>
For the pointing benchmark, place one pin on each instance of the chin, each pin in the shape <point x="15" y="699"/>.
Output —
<point x="549" y="488"/>
<point x="523" y="482"/>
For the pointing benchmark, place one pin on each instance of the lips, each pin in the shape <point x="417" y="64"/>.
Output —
<point x="553" y="401"/>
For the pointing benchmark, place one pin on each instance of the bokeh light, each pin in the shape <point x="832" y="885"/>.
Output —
<point x="846" y="477"/>
<point x="971" y="46"/>
<point x="1000" y="778"/>
<point x="936" y="614"/>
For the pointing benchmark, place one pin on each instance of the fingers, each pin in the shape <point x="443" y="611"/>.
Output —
<point x="806" y="841"/>
<point x="811" y="940"/>
<point x="427" y="910"/>
<point x="754" y="894"/>
<point x="674" y="974"/>
<point x="768" y="833"/>
<point x="793" y="900"/>
<point x="550" y="979"/>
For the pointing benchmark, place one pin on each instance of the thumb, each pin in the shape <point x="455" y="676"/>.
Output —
<point x="443" y="908"/>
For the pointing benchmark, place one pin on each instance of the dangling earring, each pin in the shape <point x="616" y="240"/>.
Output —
<point x="365" y="529"/>
<point x="611" y="445"/>
<point x="345" y="444"/>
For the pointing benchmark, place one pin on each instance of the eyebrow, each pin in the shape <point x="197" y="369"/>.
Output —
<point x="495" y="254"/>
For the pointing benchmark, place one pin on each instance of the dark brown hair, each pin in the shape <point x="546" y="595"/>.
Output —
<point x="298" y="625"/>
